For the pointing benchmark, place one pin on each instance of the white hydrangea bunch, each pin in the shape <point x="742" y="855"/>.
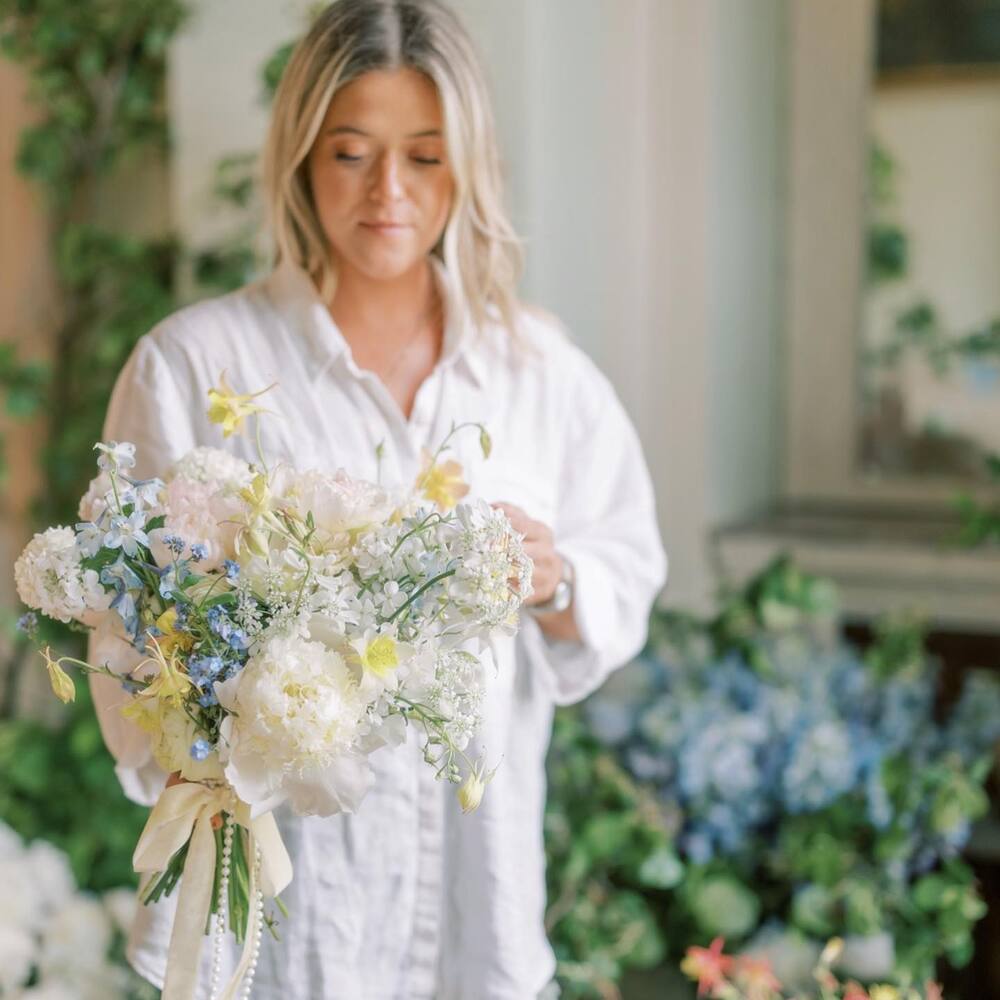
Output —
<point x="212" y="465"/>
<point x="51" y="934"/>
<point x="49" y="577"/>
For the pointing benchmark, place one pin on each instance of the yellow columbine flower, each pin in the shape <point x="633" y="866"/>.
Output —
<point x="471" y="792"/>
<point x="170" y="683"/>
<point x="380" y="656"/>
<point x="883" y="993"/>
<point x="441" y="482"/>
<point x="62" y="684"/>
<point x="832" y="951"/>
<point x="146" y="713"/>
<point x="172" y="637"/>
<point x="231" y="408"/>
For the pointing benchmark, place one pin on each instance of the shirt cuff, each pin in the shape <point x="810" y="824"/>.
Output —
<point x="572" y="670"/>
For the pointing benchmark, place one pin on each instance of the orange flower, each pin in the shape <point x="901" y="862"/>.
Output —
<point x="755" y="975"/>
<point x="708" y="965"/>
<point x="853" y="991"/>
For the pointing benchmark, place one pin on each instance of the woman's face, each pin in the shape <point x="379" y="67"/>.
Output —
<point x="381" y="181"/>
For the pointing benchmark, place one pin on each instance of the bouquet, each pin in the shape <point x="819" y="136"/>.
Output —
<point x="274" y="628"/>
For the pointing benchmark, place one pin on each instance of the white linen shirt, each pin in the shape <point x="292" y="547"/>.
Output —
<point x="409" y="899"/>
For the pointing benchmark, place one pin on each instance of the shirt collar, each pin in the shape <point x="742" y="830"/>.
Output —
<point x="293" y="292"/>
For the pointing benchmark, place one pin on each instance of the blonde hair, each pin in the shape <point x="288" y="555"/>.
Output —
<point x="478" y="247"/>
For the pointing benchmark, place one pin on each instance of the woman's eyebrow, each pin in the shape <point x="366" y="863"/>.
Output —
<point x="353" y="130"/>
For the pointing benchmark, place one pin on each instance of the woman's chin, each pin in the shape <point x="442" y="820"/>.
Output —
<point x="386" y="263"/>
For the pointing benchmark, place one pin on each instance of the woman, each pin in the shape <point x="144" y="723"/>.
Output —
<point x="391" y="313"/>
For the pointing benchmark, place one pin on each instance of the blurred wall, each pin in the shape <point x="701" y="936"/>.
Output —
<point x="28" y="312"/>
<point x="643" y="143"/>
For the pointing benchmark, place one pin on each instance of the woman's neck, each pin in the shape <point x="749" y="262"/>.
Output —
<point x="364" y="306"/>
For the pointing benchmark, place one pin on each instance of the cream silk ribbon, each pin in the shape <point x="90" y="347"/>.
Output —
<point x="185" y="811"/>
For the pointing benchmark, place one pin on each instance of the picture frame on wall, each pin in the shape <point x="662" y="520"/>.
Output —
<point x="940" y="38"/>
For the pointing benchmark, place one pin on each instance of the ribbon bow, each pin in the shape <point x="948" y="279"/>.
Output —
<point x="184" y="812"/>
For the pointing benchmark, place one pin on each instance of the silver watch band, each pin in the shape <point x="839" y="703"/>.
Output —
<point x="562" y="596"/>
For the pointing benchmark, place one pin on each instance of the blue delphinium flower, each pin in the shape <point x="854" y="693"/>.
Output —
<point x="124" y="580"/>
<point x="200" y="749"/>
<point x="232" y="569"/>
<point x="199" y="551"/>
<point x="144" y="492"/>
<point x="127" y="533"/>
<point x="172" y="577"/>
<point x="89" y="538"/>
<point x="115" y="455"/>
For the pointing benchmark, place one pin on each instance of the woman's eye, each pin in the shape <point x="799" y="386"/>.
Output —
<point x="425" y="159"/>
<point x="347" y="158"/>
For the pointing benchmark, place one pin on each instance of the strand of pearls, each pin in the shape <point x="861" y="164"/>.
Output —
<point x="221" y="908"/>
<point x="258" y="926"/>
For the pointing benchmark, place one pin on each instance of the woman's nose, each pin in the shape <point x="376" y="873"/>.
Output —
<point x="388" y="185"/>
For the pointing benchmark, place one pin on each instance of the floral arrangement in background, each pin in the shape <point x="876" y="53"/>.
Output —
<point x="794" y="790"/>
<point x="747" y="977"/>
<point x="57" y="943"/>
<point x="273" y="628"/>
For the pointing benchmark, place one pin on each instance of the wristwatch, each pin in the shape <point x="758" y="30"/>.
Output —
<point x="561" y="597"/>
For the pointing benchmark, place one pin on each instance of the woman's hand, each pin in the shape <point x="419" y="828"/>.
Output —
<point x="540" y="547"/>
<point x="539" y="544"/>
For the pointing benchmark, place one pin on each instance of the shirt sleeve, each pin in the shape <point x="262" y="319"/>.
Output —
<point x="606" y="527"/>
<point x="148" y="408"/>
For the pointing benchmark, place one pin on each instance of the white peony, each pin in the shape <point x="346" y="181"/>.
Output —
<point x="95" y="501"/>
<point x="50" y="579"/>
<point x="199" y="512"/>
<point x="298" y="716"/>
<point x="339" y="504"/>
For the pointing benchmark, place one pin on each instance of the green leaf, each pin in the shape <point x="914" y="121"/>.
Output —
<point x="661" y="870"/>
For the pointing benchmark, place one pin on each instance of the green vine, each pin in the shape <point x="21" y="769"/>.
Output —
<point x="96" y="81"/>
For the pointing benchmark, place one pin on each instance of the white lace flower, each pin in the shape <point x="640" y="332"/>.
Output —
<point x="50" y="579"/>
<point x="297" y="717"/>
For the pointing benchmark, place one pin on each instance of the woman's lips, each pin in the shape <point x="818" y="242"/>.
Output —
<point x="386" y="228"/>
